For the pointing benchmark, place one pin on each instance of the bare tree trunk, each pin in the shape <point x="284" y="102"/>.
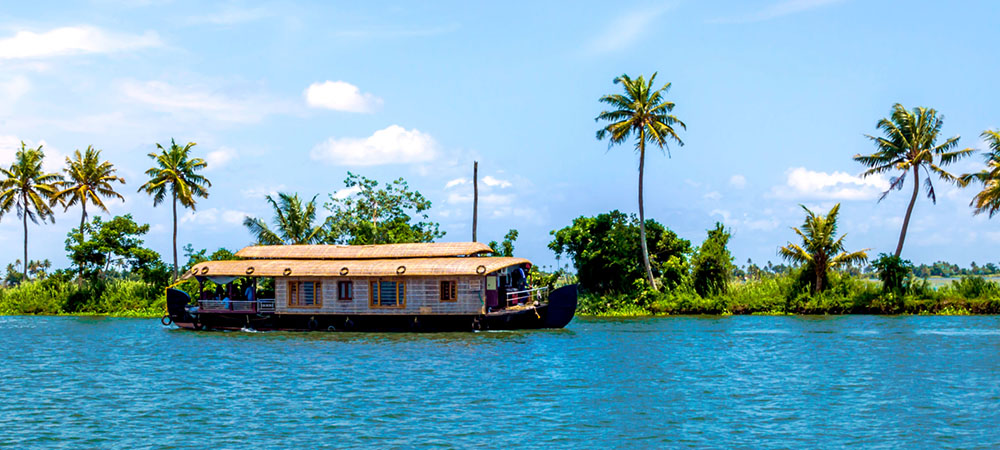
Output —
<point x="642" y="215"/>
<point x="909" y="209"/>
<point x="475" y="198"/>
<point x="175" y="237"/>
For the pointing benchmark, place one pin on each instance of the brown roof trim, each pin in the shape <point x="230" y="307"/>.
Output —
<point x="384" y="251"/>
<point x="354" y="268"/>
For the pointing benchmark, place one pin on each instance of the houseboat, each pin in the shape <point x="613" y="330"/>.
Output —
<point x="404" y="287"/>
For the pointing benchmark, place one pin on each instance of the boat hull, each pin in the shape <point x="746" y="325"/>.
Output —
<point x="557" y="313"/>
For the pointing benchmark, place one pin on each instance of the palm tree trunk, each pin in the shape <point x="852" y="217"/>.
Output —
<point x="83" y="220"/>
<point x="25" y="217"/>
<point x="909" y="209"/>
<point x="819" y="279"/>
<point x="175" y="237"/>
<point x="642" y="215"/>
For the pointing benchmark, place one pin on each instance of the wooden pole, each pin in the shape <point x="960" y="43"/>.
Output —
<point x="475" y="198"/>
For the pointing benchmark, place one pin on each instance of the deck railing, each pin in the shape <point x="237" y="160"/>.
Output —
<point x="236" y="306"/>
<point x="527" y="296"/>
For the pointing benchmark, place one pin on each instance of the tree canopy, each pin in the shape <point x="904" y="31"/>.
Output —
<point x="369" y="214"/>
<point x="909" y="144"/>
<point x="294" y="222"/>
<point x="712" y="264"/>
<point x="113" y="246"/>
<point x="604" y="250"/>
<point x="821" y="249"/>
<point x="988" y="199"/>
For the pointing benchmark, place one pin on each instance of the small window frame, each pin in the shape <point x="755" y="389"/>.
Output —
<point x="294" y="293"/>
<point x="375" y="284"/>
<point x="448" y="291"/>
<point x="349" y="286"/>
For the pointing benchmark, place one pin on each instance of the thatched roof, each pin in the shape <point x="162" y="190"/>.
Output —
<point x="355" y="268"/>
<point x="385" y="251"/>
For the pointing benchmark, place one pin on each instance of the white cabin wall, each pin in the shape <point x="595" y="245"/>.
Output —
<point x="422" y="297"/>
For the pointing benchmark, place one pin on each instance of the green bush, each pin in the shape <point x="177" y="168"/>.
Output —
<point x="36" y="297"/>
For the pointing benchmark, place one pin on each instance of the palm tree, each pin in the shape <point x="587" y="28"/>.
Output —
<point x="908" y="146"/>
<point x="87" y="180"/>
<point x="641" y="110"/>
<point x="293" y="221"/>
<point x="26" y="187"/>
<point x="175" y="173"/>
<point x="988" y="200"/>
<point x="819" y="251"/>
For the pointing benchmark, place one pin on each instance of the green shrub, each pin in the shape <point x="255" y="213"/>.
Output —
<point x="36" y="297"/>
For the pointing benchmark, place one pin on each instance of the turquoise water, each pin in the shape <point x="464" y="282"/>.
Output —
<point x="733" y="382"/>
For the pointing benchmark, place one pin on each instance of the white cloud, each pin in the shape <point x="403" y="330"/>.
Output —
<point x="258" y="193"/>
<point x="494" y="182"/>
<point x="346" y="192"/>
<point x="199" y="101"/>
<point x="776" y="10"/>
<point x="9" y="145"/>
<point x="72" y="40"/>
<point x="214" y="216"/>
<point x="391" y="145"/>
<point x="712" y="195"/>
<point x="341" y="96"/>
<point x="218" y="158"/>
<point x="802" y="183"/>
<point x="746" y="222"/>
<point x="484" y="200"/>
<point x="626" y="29"/>
<point x="456" y="182"/>
<point x="738" y="181"/>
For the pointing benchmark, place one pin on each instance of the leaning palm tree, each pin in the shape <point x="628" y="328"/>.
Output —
<point x="642" y="110"/>
<point x="87" y="179"/>
<point x="294" y="222"/>
<point x="820" y="251"/>
<point x="909" y="145"/>
<point x="988" y="200"/>
<point x="26" y="187"/>
<point x="175" y="173"/>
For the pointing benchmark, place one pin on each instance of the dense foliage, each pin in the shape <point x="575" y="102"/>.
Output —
<point x="605" y="250"/>
<point x="114" y="247"/>
<point x="712" y="264"/>
<point x="365" y="213"/>
<point x="893" y="271"/>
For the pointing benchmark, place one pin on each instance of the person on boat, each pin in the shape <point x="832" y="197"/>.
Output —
<point x="249" y="294"/>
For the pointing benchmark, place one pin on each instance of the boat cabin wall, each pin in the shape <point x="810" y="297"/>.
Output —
<point x="411" y="295"/>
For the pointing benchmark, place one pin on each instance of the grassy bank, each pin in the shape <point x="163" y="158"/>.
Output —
<point x="116" y="298"/>
<point x="783" y="294"/>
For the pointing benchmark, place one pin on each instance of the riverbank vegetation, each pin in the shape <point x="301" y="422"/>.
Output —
<point x="704" y="280"/>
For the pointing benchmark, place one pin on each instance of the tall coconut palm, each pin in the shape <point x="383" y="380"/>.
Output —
<point x="644" y="111"/>
<point x="26" y="187"/>
<point x="87" y="179"/>
<point x="908" y="146"/>
<point x="988" y="200"/>
<point x="294" y="222"/>
<point x="175" y="173"/>
<point x="821" y="250"/>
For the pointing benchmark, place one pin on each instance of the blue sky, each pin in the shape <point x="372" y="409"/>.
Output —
<point x="777" y="96"/>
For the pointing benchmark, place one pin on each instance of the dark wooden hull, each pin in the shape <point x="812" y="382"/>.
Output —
<point x="557" y="313"/>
